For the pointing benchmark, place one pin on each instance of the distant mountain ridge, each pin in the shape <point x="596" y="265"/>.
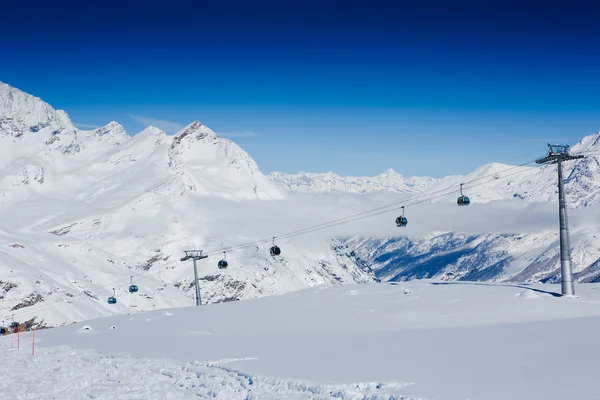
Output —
<point x="490" y="182"/>
<point x="330" y="182"/>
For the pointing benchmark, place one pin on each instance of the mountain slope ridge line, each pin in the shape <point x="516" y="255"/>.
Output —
<point x="144" y="275"/>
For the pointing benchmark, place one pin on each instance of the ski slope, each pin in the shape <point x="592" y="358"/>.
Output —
<point x="411" y="340"/>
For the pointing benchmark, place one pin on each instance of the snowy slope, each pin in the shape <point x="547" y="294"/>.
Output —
<point x="80" y="219"/>
<point x="438" y="341"/>
<point x="212" y="165"/>
<point x="490" y="257"/>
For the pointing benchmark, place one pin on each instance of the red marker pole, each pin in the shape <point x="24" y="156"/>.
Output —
<point x="19" y="338"/>
<point x="32" y="341"/>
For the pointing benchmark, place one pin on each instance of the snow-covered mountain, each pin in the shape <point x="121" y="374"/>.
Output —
<point x="491" y="257"/>
<point x="498" y="255"/>
<point x="488" y="255"/>
<point x="494" y="181"/>
<point x="22" y="114"/>
<point x="330" y="182"/>
<point x="82" y="211"/>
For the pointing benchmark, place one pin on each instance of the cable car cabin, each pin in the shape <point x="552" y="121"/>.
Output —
<point x="401" y="221"/>
<point x="112" y="300"/>
<point x="2" y="331"/>
<point x="223" y="264"/>
<point x="133" y="289"/>
<point x="275" y="251"/>
<point x="14" y="326"/>
<point x="463" y="201"/>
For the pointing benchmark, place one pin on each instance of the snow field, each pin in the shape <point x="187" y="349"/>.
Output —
<point x="63" y="373"/>
<point x="425" y="339"/>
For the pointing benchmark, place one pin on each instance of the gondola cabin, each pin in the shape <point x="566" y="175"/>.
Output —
<point x="113" y="298"/>
<point x="223" y="263"/>
<point x="463" y="201"/>
<point x="401" y="221"/>
<point x="275" y="250"/>
<point x="133" y="289"/>
<point x="2" y="331"/>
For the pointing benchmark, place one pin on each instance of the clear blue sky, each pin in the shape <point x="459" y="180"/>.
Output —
<point x="433" y="88"/>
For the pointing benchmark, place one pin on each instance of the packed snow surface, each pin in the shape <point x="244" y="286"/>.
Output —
<point x="436" y="340"/>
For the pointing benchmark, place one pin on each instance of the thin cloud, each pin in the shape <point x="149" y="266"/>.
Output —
<point x="90" y="126"/>
<point x="247" y="134"/>
<point x="167" y="126"/>
<point x="543" y="140"/>
<point x="504" y="216"/>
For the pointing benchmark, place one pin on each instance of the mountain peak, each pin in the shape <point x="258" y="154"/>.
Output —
<point x="152" y="133"/>
<point x="113" y="132"/>
<point x="23" y="114"/>
<point x="391" y="173"/>
<point x="194" y="132"/>
<point x="112" y="127"/>
<point x="152" y="130"/>
<point x="588" y="143"/>
<point x="194" y="125"/>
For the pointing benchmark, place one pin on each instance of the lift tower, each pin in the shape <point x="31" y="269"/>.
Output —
<point x="556" y="155"/>
<point x="195" y="255"/>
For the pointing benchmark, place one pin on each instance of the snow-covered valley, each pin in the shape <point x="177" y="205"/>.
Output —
<point x="84" y="211"/>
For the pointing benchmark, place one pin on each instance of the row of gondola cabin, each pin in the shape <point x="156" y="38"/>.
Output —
<point x="462" y="200"/>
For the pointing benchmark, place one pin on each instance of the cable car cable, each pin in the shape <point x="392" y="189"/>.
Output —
<point x="330" y="224"/>
<point x="326" y="225"/>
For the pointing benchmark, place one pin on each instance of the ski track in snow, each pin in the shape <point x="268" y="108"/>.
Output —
<point x="63" y="373"/>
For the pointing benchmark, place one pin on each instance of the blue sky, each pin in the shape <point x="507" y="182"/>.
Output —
<point x="434" y="88"/>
